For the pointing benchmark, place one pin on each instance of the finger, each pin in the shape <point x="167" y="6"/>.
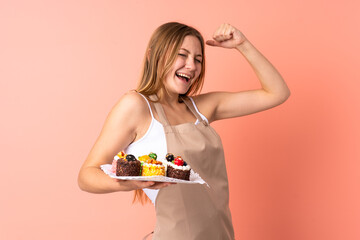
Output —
<point x="213" y="43"/>
<point x="145" y="184"/>
<point x="160" y="185"/>
<point x="219" y="33"/>
<point x="229" y="31"/>
<point x="222" y="37"/>
<point x="224" y="29"/>
<point x="219" y="37"/>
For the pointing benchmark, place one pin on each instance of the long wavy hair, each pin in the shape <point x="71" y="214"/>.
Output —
<point x="160" y="55"/>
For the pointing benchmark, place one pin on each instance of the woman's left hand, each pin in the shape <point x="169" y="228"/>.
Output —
<point x="227" y="36"/>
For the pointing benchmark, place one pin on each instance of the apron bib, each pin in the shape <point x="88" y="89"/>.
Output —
<point x="194" y="211"/>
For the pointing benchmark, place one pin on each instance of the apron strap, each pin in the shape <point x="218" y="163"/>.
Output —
<point x="162" y="116"/>
<point x="190" y="105"/>
<point x="159" y="110"/>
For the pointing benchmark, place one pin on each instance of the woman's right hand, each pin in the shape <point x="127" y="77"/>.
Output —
<point x="129" y="185"/>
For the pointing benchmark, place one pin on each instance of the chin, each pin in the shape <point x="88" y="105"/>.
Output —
<point x="183" y="92"/>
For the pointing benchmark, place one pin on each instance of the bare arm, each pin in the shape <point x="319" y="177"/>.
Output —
<point x="121" y="127"/>
<point x="274" y="91"/>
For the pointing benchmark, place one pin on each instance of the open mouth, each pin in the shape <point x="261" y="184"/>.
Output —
<point x="183" y="76"/>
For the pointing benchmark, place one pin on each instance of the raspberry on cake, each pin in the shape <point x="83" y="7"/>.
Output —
<point x="177" y="167"/>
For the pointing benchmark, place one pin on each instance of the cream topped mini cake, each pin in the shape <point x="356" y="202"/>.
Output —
<point x="177" y="167"/>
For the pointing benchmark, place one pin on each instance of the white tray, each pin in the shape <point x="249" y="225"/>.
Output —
<point x="194" y="177"/>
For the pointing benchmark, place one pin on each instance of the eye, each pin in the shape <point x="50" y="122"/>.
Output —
<point x="181" y="54"/>
<point x="199" y="61"/>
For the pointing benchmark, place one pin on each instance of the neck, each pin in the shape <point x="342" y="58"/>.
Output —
<point x="168" y="98"/>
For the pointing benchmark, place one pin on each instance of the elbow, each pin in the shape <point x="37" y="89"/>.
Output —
<point x="281" y="98"/>
<point x="286" y="95"/>
<point x="81" y="183"/>
<point x="85" y="187"/>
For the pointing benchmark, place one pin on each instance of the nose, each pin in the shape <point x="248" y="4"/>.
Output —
<point x="190" y="63"/>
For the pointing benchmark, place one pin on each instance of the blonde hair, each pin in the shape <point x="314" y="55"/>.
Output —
<point x="160" y="55"/>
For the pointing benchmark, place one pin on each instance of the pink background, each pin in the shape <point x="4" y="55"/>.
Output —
<point x="293" y="170"/>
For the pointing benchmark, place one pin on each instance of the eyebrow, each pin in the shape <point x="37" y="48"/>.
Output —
<point x="199" y="55"/>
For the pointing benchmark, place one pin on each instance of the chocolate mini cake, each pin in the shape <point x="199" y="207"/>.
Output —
<point x="178" y="173"/>
<point x="128" y="166"/>
<point x="177" y="168"/>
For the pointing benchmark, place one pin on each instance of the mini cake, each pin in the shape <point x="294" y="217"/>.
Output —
<point x="177" y="167"/>
<point x="126" y="165"/>
<point x="114" y="162"/>
<point x="151" y="167"/>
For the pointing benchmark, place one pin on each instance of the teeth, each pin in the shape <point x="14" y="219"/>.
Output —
<point x="183" y="75"/>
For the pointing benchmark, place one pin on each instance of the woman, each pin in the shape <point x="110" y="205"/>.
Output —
<point x="160" y="117"/>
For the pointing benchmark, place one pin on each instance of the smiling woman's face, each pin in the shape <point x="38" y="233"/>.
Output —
<point x="186" y="68"/>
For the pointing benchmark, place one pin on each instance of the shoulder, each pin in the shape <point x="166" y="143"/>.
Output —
<point x="131" y="103"/>
<point x="131" y="106"/>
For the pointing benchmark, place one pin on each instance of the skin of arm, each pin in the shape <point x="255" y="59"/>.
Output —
<point x="124" y="122"/>
<point x="274" y="91"/>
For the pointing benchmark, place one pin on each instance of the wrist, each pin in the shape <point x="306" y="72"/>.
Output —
<point x="244" y="46"/>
